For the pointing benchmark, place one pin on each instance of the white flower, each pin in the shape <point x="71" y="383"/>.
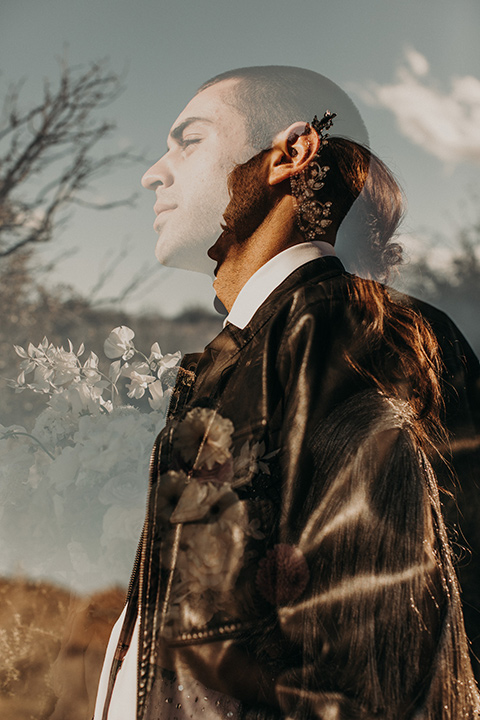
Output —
<point x="157" y="401"/>
<point x="115" y="371"/>
<point x="199" y="499"/>
<point x="118" y="344"/>
<point x="78" y="398"/>
<point x="138" y="384"/>
<point x="167" y="362"/>
<point x="250" y="461"/>
<point x="160" y="363"/>
<point x="172" y="484"/>
<point x="211" y="554"/>
<point x="54" y="426"/>
<point x="217" y="474"/>
<point x="65" y="364"/>
<point x="204" y="438"/>
<point x="54" y="367"/>
<point x="90" y="369"/>
<point x="155" y="353"/>
<point x="42" y="377"/>
<point x="62" y="410"/>
<point x="141" y="367"/>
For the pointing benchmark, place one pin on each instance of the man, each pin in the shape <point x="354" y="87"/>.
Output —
<point x="294" y="559"/>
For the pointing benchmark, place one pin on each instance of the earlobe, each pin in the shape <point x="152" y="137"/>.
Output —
<point x="292" y="150"/>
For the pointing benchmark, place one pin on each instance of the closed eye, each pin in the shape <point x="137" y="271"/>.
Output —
<point x="189" y="141"/>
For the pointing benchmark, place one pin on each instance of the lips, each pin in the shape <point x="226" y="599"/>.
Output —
<point x="159" y="208"/>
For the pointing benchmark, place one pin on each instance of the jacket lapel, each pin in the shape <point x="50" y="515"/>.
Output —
<point x="222" y="351"/>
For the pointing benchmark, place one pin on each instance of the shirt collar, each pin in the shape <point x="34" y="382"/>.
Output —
<point x="264" y="281"/>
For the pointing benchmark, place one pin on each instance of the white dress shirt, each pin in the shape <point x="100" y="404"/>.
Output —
<point x="263" y="282"/>
<point x="185" y="697"/>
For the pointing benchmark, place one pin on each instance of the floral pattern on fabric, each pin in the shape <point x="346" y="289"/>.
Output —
<point x="200" y="495"/>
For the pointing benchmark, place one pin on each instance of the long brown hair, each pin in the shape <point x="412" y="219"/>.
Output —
<point x="394" y="347"/>
<point x="395" y="350"/>
<point x="368" y="204"/>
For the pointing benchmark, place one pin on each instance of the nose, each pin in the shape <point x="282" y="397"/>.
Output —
<point x="157" y="174"/>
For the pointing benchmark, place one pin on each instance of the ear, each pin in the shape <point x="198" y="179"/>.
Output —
<point x="292" y="150"/>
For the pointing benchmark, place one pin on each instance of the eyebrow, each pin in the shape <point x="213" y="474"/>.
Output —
<point x="177" y="132"/>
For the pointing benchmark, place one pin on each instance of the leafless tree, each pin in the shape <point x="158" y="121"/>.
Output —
<point x="50" y="154"/>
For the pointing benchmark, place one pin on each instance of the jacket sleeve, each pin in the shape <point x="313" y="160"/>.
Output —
<point x="377" y="625"/>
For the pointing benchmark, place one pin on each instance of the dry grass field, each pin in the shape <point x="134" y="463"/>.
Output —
<point x="52" y="645"/>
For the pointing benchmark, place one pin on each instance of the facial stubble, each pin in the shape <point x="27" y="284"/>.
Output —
<point x="251" y="199"/>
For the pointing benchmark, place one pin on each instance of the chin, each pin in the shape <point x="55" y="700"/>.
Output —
<point x="184" y="259"/>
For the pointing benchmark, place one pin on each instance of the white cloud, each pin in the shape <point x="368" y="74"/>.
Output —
<point x="445" y="124"/>
<point x="418" y="62"/>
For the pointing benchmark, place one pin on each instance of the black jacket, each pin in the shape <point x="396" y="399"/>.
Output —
<point x="294" y="553"/>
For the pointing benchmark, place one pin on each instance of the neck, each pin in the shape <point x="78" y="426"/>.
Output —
<point x="241" y="260"/>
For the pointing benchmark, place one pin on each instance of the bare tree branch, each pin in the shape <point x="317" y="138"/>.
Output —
<point x="140" y="279"/>
<point x="147" y="271"/>
<point x="49" y="154"/>
<point x="108" y="271"/>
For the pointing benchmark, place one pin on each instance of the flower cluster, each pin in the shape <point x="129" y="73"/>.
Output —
<point x="73" y="488"/>
<point x="204" y="439"/>
<point x="79" y="387"/>
<point x="149" y="373"/>
<point x="56" y="370"/>
<point x="201" y="496"/>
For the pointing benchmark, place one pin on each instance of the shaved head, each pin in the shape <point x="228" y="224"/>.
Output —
<point x="272" y="97"/>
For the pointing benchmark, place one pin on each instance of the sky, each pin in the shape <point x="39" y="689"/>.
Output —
<point x="412" y="67"/>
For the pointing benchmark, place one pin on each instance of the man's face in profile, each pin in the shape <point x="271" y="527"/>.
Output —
<point x="207" y="140"/>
